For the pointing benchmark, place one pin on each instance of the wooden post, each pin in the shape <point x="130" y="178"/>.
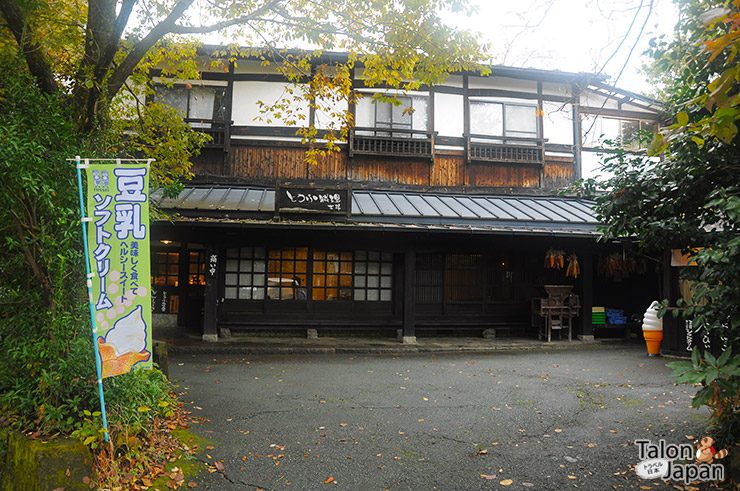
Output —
<point x="409" y="297"/>
<point x="210" y="314"/>
<point x="577" y="136"/>
<point x="228" y="115"/>
<point x="587" y="300"/>
<point x="674" y="339"/>
<point x="540" y="130"/>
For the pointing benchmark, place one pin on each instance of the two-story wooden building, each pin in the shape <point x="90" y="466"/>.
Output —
<point x="444" y="218"/>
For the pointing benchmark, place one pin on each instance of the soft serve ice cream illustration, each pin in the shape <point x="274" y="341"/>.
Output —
<point x="124" y="345"/>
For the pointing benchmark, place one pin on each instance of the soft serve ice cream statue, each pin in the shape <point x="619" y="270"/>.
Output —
<point x="124" y="345"/>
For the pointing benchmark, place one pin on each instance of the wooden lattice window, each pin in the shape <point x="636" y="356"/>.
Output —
<point x="373" y="276"/>
<point x="332" y="275"/>
<point x="245" y="275"/>
<point x="287" y="270"/>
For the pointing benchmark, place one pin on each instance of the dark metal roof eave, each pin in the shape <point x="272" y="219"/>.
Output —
<point x="539" y="231"/>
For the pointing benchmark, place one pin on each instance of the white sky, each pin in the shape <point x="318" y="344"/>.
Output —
<point x="567" y="35"/>
<point x="573" y="35"/>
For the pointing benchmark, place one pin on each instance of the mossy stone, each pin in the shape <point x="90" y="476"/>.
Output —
<point x="35" y="465"/>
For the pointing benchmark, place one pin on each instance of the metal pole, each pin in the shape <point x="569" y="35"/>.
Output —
<point x="98" y="364"/>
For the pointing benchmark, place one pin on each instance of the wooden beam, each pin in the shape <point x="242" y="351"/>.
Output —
<point x="587" y="298"/>
<point x="617" y="113"/>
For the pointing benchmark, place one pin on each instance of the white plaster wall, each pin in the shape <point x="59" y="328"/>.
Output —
<point x="454" y="81"/>
<point x="193" y="82"/>
<point x="448" y="114"/>
<point x="245" y="103"/>
<point x="630" y="107"/>
<point x="503" y="83"/>
<point x="590" y="164"/>
<point x="590" y="99"/>
<point x="562" y="90"/>
<point x="558" y="122"/>
<point x="253" y="66"/>
<point x="323" y="118"/>
<point x="506" y="100"/>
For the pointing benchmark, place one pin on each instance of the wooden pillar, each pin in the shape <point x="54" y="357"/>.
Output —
<point x="587" y="299"/>
<point x="228" y="122"/>
<point x="409" y="297"/>
<point x="674" y="339"/>
<point x="210" y="311"/>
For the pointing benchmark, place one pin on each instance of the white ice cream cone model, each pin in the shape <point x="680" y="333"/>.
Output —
<point x="652" y="329"/>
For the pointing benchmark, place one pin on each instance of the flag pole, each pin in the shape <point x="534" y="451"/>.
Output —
<point x="98" y="363"/>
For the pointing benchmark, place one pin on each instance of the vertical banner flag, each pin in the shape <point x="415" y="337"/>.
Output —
<point x="118" y="245"/>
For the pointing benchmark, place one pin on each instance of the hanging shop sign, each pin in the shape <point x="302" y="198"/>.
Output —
<point x="313" y="200"/>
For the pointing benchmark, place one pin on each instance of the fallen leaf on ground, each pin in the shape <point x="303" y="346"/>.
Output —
<point x="489" y="477"/>
<point x="219" y="465"/>
<point x="506" y="482"/>
<point x="482" y="452"/>
<point x="328" y="480"/>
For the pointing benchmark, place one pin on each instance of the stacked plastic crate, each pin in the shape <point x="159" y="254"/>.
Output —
<point x="598" y="316"/>
<point x="615" y="316"/>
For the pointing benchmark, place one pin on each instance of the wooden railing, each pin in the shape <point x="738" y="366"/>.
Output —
<point x="486" y="148"/>
<point x="391" y="142"/>
<point x="215" y="128"/>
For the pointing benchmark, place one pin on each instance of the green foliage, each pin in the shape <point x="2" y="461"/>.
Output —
<point x="45" y="374"/>
<point x="47" y="371"/>
<point x="133" y="401"/>
<point x="690" y="198"/>
<point x="719" y="378"/>
<point x="713" y="373"/>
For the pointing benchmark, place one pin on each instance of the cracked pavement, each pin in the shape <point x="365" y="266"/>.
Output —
<point x="544" y="420"/>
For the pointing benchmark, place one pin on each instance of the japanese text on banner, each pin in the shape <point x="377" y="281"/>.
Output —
<point x="118" y="202"/>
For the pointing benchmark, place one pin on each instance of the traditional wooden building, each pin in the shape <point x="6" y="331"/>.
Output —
<point x="431" y="220"/>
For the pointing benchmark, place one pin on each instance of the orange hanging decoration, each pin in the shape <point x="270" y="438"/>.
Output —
<point x="574" y="269"/>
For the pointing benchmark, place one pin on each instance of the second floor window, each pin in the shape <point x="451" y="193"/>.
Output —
<point x="200" y="106"/>
<point x="612" y="131"/>
<point x="503" y="119"/>
<point x="410" y="114"/>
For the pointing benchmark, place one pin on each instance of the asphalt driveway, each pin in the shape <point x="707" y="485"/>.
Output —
<point x="538" y="420"/>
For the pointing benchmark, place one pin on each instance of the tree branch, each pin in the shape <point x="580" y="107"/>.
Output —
<point x="166" y="26"/>
<point x="46" y="288"/>
<point x="121" y="21"/>
<point x="227" y="23"/>
<point x="32" y="52"/>
<point x="141" y="48"/>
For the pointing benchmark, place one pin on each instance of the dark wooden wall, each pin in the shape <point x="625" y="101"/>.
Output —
<point x="262" y="163"/>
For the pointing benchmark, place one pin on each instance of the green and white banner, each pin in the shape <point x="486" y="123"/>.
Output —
<point x="118" y="248"/>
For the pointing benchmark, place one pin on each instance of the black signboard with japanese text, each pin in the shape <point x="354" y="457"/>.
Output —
<point x="313" y="200"/>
